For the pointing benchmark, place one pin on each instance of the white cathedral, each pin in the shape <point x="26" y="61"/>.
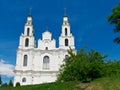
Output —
<point x="41" y="64"/>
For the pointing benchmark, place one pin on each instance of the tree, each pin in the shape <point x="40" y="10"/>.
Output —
<point x="84" y="66"/>
<point x="10" y="83"/>
<point x="114" y="18"/>
<point x="0" y="80"/>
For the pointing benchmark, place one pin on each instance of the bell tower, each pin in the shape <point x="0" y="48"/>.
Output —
<point x="27" y="39"/>
<point x="66" y="39"/>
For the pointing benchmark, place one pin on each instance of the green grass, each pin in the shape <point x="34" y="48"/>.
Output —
<point x="48" y="86"/>
<point x="106" y="83"/>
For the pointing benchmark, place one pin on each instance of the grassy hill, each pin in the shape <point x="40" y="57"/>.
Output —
<point x="47" y="86"/>
<point x="106" y="83"/>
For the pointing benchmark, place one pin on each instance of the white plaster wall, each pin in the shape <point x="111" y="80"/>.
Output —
<point x="47" y="78"/>
<point x="35" y="63"/>
<point x="54" y="61"/>
<point x="30" y="28"/>
<point x="42" y="44"/>
<point x="70" y="42"/>
<point x="63" y="30"/>
<point x="17" y="79"/>
<point x="46" y="35"/>
<point x="22" y="42"/>
<point x="42" y="77"/>
<point x="18" y="61"/>
<point x="28" y="79"/>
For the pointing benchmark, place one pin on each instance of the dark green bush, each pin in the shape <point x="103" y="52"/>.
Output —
<point x="10" y="83"/>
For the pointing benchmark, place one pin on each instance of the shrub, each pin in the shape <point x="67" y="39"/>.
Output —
<point x="10" y="83"/>
<point x="84" y="66"/>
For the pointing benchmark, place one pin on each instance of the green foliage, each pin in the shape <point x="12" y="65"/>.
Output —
<point x="84" y="66"/>
<point x="10" y="83"/>
<point x="17" y="84"/>
<point x="112" y="68"/>
<point x="87" y="66"/>
<point x="114" y="18"/>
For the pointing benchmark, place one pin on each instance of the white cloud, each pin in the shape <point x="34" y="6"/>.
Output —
<point x="6" y="69"/>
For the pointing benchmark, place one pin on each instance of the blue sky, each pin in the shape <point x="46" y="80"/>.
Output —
<point x="88" y="20"/>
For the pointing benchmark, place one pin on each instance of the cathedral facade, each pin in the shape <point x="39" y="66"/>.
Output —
<point x="40" y="63"/>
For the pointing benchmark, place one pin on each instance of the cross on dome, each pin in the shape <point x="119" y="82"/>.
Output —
<point x="65" y="14"/>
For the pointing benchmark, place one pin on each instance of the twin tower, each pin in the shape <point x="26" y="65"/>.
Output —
<point x="40" y="63"/>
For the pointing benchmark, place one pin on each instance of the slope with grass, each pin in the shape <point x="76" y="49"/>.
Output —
<point x="105" y="83"/>
<point x="47" y="86"/>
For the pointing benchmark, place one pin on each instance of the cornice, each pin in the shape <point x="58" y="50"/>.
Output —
<point x="34" y="72"/>
<point x="39" y="50"/>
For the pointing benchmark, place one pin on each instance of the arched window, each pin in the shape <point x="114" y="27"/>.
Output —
<point x="66" y="42"/>
<point x="46" y="48"/>
<point x="25" y="60"/>
<point x="26" y="42"/>
<point x="24" y="79"/>
<point x="28" y="31"/>
<point x="65" y="31"/>
<point x="17" y="84"/>
<point x="66" y="56"/>
<point x="46" y="62"/>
